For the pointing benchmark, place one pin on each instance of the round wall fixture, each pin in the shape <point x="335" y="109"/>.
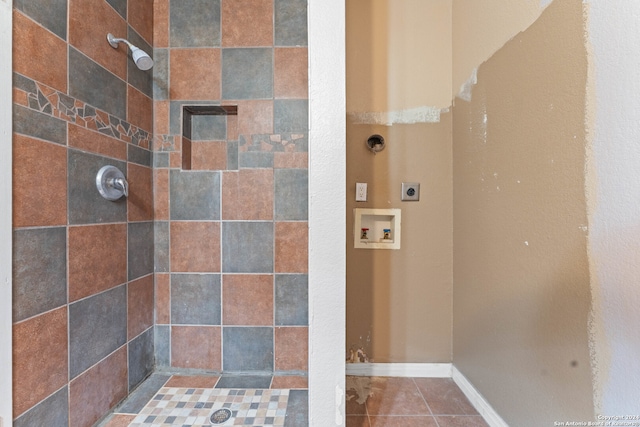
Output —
<point x="375" y="143"/>
<point x="111" y="183"/>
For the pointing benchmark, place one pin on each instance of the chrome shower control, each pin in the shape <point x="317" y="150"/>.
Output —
<point x="111" y="183"/>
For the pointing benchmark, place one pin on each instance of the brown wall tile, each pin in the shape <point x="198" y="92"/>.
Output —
<point x="140" y="303"/>
<point x="292" y="348"/>
<point x="195" y="247"/>
<point x="161" y="23"/>
<point x="96" y="142"/>
<point x="196" y="347"/>
<point x="40" y="358"/>
<point x="89" y="23"/>
<point x="255" y="116"/>
<point x="140" y="14"/>
<point x="39" y="183"/>
<point x="161" y="118"/>
<point x="295" y="160"/>
<point x="247" y="194"/>
<point x="39" y="54"/>
<point x="97" y="259"/>
<point x="291" y="73"/>
<point x="289" y="382"/>
<point x="161" y="194"/>
<point x="139" y="109"/>
<point x="291" y="247"/>
<point x="195" y="74"/>
<point x="99" y="389"/>
<point x="208" y="155"/>
<point x="247" y="23"/>
<point x="163" y="299"/>
<point x="247" y="300"/>
<point x="140" y="200"/>
<point x="192" y="381"/>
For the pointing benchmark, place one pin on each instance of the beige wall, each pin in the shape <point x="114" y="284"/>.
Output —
<point x="521" y="274"/>
<point x="398" y="72"/>
<point x="480" y="28"/>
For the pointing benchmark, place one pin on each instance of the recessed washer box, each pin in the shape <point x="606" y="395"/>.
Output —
<point x="376" y="228"/>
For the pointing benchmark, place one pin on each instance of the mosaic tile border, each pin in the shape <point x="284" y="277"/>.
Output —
<point x="277" y="143"/>
<point x="51" y="102"/>
<point x="193" y="407"/>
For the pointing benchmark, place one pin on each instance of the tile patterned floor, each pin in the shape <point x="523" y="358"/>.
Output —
<point x="194" y="407"/>
<point x="166" y="400"/>
<point x="408" y="402"/>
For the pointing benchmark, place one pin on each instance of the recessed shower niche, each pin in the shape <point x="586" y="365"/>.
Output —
<point x="209" y="136"/>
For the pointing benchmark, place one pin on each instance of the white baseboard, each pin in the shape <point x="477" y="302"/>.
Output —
<point x="430" y="370"/>
<point x="482" y="406"/>
<point x="424" y="370"/>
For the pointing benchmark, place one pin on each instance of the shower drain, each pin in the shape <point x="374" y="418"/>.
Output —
<point x="220" y="416"/>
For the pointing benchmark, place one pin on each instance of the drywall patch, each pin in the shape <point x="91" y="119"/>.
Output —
<point x="424" y="114"/>
<point x="358" y="388"/>
<point x="467" y="87"/>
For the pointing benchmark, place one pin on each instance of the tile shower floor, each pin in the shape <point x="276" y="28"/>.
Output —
<point x="190" y="400"/>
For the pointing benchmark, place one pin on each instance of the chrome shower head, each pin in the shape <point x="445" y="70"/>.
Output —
<point x="142" y="60"/>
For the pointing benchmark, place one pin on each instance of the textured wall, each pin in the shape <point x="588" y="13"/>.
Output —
<point x="82" y="270"/>
<point x="521" y="272"/>
<point x="231" y="233"/>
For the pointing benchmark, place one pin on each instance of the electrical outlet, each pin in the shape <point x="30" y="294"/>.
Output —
<point x="410" y="191"/>
<point x="361" y="191"/>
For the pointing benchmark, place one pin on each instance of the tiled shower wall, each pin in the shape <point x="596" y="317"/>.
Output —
<point x="231" y="233"/>
<point x="83" y="266"/>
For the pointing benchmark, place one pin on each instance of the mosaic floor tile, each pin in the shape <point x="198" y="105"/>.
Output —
<point x="192" y="407"/>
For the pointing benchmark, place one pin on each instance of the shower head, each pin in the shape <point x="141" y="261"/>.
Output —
<point x="140" y="57"/>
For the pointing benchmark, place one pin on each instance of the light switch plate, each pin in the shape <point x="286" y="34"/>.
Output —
<point x="411" y="191"/>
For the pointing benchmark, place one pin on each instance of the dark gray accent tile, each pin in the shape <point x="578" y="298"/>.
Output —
<point x="120" y="6"/>
<point x="24" y="83"/>
<point x="140" y="79"/>
<point x="290" y="22"/>
<point x="247" y="247"/>
<point x="247" y="349"/>
<point x="292" y="300"/>
<point x="160" y="160"/>
<point x="255" y="159"/>
<point x="39" y="271"/>
<point x="244" y="381"/>
<point x="160" y="74"/>
<point x="51" y="14"/>
<point x="140" y="249"/>
<point x="297" y="409"/>
<point x="194" y="195"/>
<point x="53" y="411"/>
<point x="195" y="299"/>
<point x="38" y="125"/>
<point x="208" y="128"/>
<point x="194" y="23"/>
<point x="139" y="155"/>
<point x="96" y="86"/>
<point x="86" y="205"/>
<point x="163" y="346"/>
<point x="232" y="155"/>
<point x="247" y="73"/>
<point x="290" y="115"/>
<point x="143" y="394"/>
<point x="291" y="194"/>
<point x="141" y="358"/>
<point x="161" y="245"/>
<point x="97" y="327"/>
